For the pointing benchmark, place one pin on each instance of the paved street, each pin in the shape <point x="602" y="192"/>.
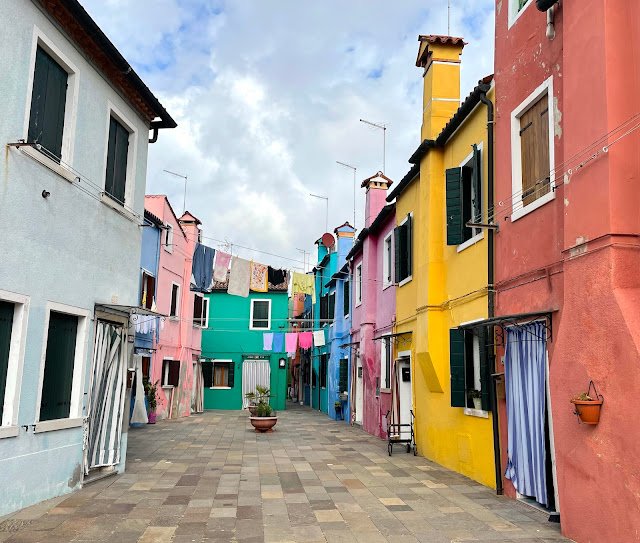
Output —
<point x="211" y="478"/>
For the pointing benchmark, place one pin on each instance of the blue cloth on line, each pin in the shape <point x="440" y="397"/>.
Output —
<point x="202" y="268"/>
<point x="278" y="343"/>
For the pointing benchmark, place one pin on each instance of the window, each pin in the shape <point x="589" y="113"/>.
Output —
<point x="469" y="367"/>
<point x="260" y="318"/>
<point x="48" y="101"/>
<point x="174" y="309"/>
<point x="168" y="240"/>
<point x="198" y="307"/>
<point x="532" y="151"/>
<point x="464" y="198"/>
<point x="7" y="310"/>
<point x="147" y="290"/>
<point x="331" y="310"/>
<point x="385" y="362"/>
<point x="170" y="372"/>
<point x="358" y="292"/>
<point x="117" y="156"/>
<point x="323" y="370"/>
<point x="516" y="8"/>
<point x="345" y="299"/>
<point x="324" y="309"/>
<point x="403" y="242"/>
<point x="343" y="381"/>
<point x="205" y="313"/>
<point x="218" y="374"/>
<point x="387" y="261"/>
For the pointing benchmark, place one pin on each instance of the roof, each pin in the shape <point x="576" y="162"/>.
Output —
<point x="153" y="219"/>
<point x="435" y="38"/>
<point x="190" y="217"/>
<point x="454" y="123"/>
<point x="80" y="27"/>
<point x="171" y="208"/>
<point x="372" y="229"/>
<point x="222" y="286"/>
<point x="346" y="224"/>
<point x="379" y="174"/>
<point x="338" y="275"/>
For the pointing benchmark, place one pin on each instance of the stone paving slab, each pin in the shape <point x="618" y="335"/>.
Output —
<point x="210" y="478"/>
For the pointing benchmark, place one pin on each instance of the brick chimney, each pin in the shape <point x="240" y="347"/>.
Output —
<point x="376" y="187"/>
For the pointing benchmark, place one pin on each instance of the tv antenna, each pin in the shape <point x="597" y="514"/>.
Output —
<point x="354" y="188"/>
<point x="383" y="127"/>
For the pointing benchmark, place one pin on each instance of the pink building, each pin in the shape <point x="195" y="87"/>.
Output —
<point x="177" y="345"/>
<point x="373" y="308"/>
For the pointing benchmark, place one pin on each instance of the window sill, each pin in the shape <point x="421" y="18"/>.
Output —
<point x="471" y="241"/>
<point x="219" y="388"/>
<point x="58" y="424"/>
<point x="36" y="155"/>
<point x="174" y="318"/>
<point x="385" y="286"/>
<point x="110" y="202"/>
<point x="259" y="329"/>
<point x="9" y="431"/>
<point x="385" y="391"/>
<point x="519" y="213"/>
<point x="481" y="413"/>
<point x="405" y="281"/>
<point x="359" y="304"/>
<point x="168" y="386"/>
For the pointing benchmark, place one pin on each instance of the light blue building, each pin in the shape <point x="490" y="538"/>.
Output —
<point x="76" y="121"/>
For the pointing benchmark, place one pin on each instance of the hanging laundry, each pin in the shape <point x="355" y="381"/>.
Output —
<point x="276" y="277"/>
<point x="291" y="342"/>
<point x="259" y="277"/>
<point x="202" y="268"/>
<point x="222" y="266"/>
<point x="318" y="338"/>
<point x="267" y="342"/>
<point x="239" y="277"/>
<point x="278" y="341"/>
<point x="305" y="340"/>
<point x="305" y="284"/>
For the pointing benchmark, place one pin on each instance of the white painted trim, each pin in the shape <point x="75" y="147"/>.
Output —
<point x="513" y="14"/>
<point x="43" y="159"/>
<point x="383" y="365"/>
<point x="219" y="388"/>
<point x="73" y="85"/>
<point x="177" y="315"/>
<point x="57" y="424"/>
<point x="197" y="295"/>
<point x="165" y="374"/>
<point x="518" y="210"/>
<point x="15" y="365"/>
<point x="206" y="321"/>
<point x="471" y="241"/>
<point x="410" y="277"/>
<point x="386" y="265"/>
<point x="9" y="431"/>
<point x="481" y="413"/>
<point x="405" y="281"/>
<point x="168" y="244"/>
<point x="554" y="473"/>
<point x="79" y="362"/>
<point x="440" y="99"/>
<point x="358" y="285"/>
<point x="251" y="326"/>
<point x="110" y="202"/>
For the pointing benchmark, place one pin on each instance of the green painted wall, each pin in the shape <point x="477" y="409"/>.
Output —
<point x="227" y="337"/>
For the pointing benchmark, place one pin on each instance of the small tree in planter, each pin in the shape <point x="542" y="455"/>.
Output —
<point x="587" y="407"/>
<point x="262" y="419"/>
<point x="476" y="396"/>
<point x="150" y="390"/>
<point x="260" y="396"/>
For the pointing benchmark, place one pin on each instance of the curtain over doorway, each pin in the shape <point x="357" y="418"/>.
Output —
<point x="254" y="373"/>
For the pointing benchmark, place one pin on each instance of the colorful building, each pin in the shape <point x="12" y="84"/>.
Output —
<point x="373" y="310"/>
<point x="233" y="354"/>
<point x="443" y="269"/>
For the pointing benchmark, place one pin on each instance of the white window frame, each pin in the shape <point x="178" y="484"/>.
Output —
<point x="205" y="314"/>
<point x="79" y="367"/>
<point x="477" y="382"/>
<point x="132" y="155"/>
<point x="143" y="272"/>
<point x="251" y="326"/>
<point x="9" y="423"/>
<point x="383" y="364"/>
<point x="514" y="13"/>
<point x="410" y="276"/>
<point x="168" y="245"/>
<point x="164" y="377"/>
<point x="358" y="284"/>
<point x="177" y="315"/>
<point x="70" y="109"/>
<point x="213" y="373"/>
<point x="387" y="261"/>
<point x="479" y="232"/>
<point x="519" y="210"/>
<point x="198" y="324"/>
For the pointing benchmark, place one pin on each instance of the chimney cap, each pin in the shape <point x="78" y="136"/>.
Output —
<point x="378" y="174"/>
<point x="423" y="53"/>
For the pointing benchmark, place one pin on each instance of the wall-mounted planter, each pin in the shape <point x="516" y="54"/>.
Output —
<point x="586" y="408"/>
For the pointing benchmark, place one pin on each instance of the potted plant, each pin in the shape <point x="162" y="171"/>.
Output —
<point x="338" y="407"/>
<point x="476" y="396"/>
<point x="264" y="419"/>
<point x="150" y="391"/>
<point x="586" y="407"/>
<point x="260" y="396"/>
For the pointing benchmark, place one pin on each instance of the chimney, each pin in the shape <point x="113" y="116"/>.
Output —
<point x="439" y="56"/>
<point x="376" y="186"/>
<point x="345" y="234"/>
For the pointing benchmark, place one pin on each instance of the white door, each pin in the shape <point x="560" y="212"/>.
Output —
<point x="254" y="372"/>
<point x="404" y="386"/>
<point x="359" y="390"/>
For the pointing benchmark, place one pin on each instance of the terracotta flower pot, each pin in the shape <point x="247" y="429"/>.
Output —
<point x="252" y="410"/>
<point x="263" y="424"/>
<point x="588" y="411"/>
<point x="152" y="418"/>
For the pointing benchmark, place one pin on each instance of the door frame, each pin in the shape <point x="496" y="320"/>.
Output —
<point x="407" y="355"/>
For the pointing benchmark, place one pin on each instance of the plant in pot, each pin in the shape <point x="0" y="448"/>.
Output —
<point x="587" y="406"/>
<point x="260" y="396"/>
<point x="264" y="419"/>
<point x="150" y="390"/>
<point x="338" y="407"/>
<point x="476" y="396"/>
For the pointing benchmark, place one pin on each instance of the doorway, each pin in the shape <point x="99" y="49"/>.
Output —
<point x="254" y="373"/>
<point x="359" y="390"/>
<point x="405" y="391"/>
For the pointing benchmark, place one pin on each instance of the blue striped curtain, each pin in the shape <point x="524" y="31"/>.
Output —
<point x="524" y="367"/>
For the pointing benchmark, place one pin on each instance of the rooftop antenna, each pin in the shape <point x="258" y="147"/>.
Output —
<point x="327" y="199"/>
<point x="304" y="258"/>
<point x="354" y="188"/>
<point x="383" y="127"/>
<point x="448" y="17"/>
<point x="184" y="201"/>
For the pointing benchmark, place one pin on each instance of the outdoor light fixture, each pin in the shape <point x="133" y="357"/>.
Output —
<point x="283" y="363"/>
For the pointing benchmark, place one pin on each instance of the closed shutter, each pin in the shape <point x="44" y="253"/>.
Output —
<point x="396" y="244"/>
<point x="324" y="307"/>
<point x="174" y="373"/>
<point x="408" y="226"/>
<point x="476" y="185"/>
<point x="231" y="377"/>
<point x="117" y="151"/>
<point x="58" y="366"/>
<point x="6" y="325"/>
<point x="387" y="362"/>
<point x="46" y="118"/>
<point x="485" y="369"/>
<point x="345" y="299"/>
<point x="332" y="306"/>
<point x="456" y="363"/>
<point x="207" y="374"/>
<point x="344" y="375"/>
<point x="197" y="310"/>
<point x="534" y="148"/>
<point x="455" y="227"/>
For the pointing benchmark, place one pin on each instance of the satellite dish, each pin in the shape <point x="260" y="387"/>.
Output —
<point x="328" y="240"/>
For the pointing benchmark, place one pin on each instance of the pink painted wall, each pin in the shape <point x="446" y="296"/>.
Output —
<point x="179" y="340"/>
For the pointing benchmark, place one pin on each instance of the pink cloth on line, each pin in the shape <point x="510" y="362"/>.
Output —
<point x="259" y="277"/>
<point x="306" y="340"/>
<point x="291" y="342"/>
<point x="221" y="267"/>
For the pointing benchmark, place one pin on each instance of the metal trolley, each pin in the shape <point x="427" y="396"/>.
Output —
<point x="401" y="434"/>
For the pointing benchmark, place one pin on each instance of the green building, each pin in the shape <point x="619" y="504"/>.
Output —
<point x="234" y="360"/>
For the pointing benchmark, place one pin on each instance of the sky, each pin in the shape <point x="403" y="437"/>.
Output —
<point x="268" y="95"/>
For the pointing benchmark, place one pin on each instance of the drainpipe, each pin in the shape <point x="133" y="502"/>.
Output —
<point x="154" y="138"/>
<point x="490" y="281"/>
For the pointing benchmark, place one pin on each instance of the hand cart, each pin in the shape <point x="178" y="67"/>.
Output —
<point x="401" y="434"/>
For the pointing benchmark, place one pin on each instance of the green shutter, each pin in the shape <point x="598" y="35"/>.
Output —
<point x="6" y="325"/>
<point x="332" y="305"/>
<point x="485" y="369"/>
<point x="396" y="244"/>
<point x="324" y="308"/>
<point x="455" y="228"/>
<point x="117" y="151"/>
<point x="345" y="298"/>
<point x="456" y="362"/>
<point x="409" y="243"/>
<point x="476" y="184"/>
<point x="344" y="375"/>
<point x="58" y="366"/>
<point x="232" y="367"/>
<point x="207" y="374"/>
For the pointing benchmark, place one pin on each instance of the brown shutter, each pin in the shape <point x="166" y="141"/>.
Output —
<point x="534" y="145"/>
<point x="151" y="291"/>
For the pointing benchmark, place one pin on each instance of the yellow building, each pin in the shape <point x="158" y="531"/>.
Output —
<point x="442" y="269"/>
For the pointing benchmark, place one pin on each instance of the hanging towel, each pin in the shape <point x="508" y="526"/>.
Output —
<point x="221" y="267"/>
<point x="276" y="277"/>
<point x="267" y="341"/>
<point x="306" y="340"/>
<point x="304" y="283"/>
<point x="278" y="340"/>
<point x="291" y="342"/>
<point x="239" y="277"/>
<point x="318" y="338"/>
<point x="139" y="415"/>
<point x="258" y="277"/>
<point x="202" y="268"/>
